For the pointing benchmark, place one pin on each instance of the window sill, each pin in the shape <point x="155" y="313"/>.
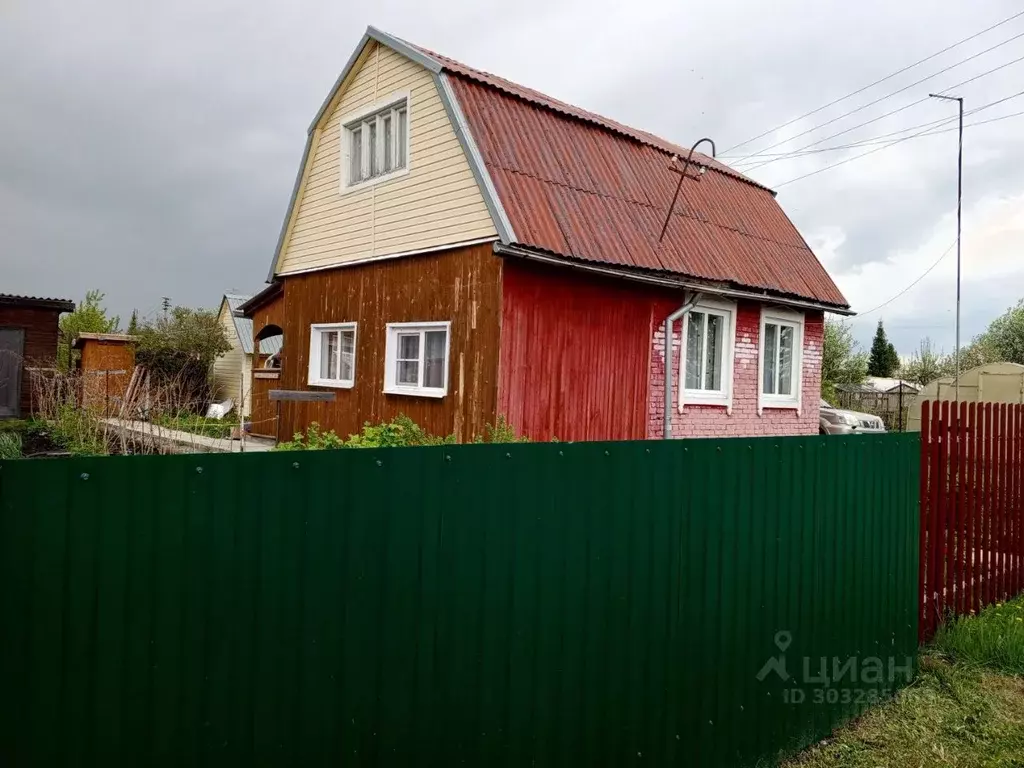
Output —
<point x="331" y="383"/>
<point x="415" y="392"/>
<point x="779" y="405"/>
<point x="367" y="183"/>
<point x="703" y="398"/>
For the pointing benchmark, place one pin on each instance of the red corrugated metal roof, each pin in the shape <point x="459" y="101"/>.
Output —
<point x="585" y="187"/>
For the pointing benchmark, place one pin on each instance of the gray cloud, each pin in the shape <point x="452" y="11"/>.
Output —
<point x="150" y="150"/>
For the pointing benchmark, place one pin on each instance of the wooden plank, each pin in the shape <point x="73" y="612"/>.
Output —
<point x="935" y="483"/>
<point x="952" y="509"/>
<point x="986" y="511"/>
<point x="300" y="396"/>
<point x="925" y="514"/>
<point x="961" y="472"/>
<point x="972" y="507"/>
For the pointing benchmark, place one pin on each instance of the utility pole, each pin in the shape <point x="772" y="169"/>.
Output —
<point x="959" y="200"/>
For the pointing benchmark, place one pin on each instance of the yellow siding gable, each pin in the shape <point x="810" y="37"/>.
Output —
<point x="437" y="203"/>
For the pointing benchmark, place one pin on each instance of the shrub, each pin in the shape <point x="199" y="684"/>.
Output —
<point x="10" y="445"/>
<point x="502" y="432"/>
<point x="402" y="432"/>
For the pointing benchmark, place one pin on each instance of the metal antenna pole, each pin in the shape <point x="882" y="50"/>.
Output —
<point x="959" y="205"/>
<point x="682" y="176"/>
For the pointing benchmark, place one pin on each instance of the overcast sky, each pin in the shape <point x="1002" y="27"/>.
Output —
<point x="149" y="149"/>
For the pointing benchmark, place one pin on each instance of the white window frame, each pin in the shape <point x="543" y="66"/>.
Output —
<point x="781" y="317"/>
<point x="376" y="111"/>
<point x="315" y="331"/>
<point x="391" y="386"/>
<point x="726" y="310"/>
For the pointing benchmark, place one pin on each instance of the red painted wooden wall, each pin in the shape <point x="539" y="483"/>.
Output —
<point x="575" y="354"/>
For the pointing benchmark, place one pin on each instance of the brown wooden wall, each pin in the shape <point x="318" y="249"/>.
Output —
<point x="106" y="368"/>
<point x="462" y="285"/>
<point x="41" y="329"/>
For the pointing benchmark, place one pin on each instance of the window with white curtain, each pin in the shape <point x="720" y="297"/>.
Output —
<point x="782" y="333"/>
<point x="416" y="359"/>
<point x="376" y="142"/>
<point x="332" y="355"/>
<point x="706" y="365"/>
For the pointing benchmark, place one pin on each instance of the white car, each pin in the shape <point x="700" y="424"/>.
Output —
<point x="836" y="421"/>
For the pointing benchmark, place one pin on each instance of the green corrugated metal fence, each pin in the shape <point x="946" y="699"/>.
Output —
<point x="595" y="604"/>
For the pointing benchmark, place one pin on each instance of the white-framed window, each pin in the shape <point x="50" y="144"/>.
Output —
<point x="332" y="354"/>
<point x="706" y="361"/>
<point x="780" y="356"/>
<point x="416" y="359"/>
<point x="375" y="142"/>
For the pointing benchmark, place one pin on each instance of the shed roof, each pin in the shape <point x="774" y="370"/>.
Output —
<point x="109" y="338"/>
<point x="36" y="302"/>
<point x="243" y="327"/>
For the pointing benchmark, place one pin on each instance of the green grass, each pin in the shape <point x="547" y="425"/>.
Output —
<point x="965" y="709"/>
<point x="10" y="445"/>
<point x="199" y="425"/>
<point x="953" y="716"/>
<point x="994" y="638"/>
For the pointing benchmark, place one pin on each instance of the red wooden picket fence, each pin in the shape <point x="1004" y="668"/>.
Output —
<point x="972" y="508"/>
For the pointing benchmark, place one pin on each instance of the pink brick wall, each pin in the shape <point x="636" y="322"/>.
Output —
<point x="744" y="421"/>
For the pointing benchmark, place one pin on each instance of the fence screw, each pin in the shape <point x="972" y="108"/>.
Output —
<point x="85" y="475"/>
<point x="448" y="457"/>
<point x="295" y="465"/>
<point x="508" y="455"/>
<point x="561" y="453"/>
<point x="607" y="454"/>
<point x="380" y="463"/>
<point x="199" y="470"/>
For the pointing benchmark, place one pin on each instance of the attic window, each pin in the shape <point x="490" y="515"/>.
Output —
<point x="376" y="143"/>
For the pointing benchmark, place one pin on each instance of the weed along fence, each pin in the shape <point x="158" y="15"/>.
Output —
<point x="972" y="508"/>
<point x="691" y="603"/>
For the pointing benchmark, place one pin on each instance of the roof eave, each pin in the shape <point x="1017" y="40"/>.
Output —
<point x="261" y="298"/>
<point x="32" y="302"/>
<point x="672" y="281"/>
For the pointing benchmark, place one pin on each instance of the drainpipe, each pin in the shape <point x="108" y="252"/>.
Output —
<point x="669" y="322"/>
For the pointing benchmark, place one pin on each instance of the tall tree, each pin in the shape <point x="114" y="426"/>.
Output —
<point x="1003" y="340"/>
<point x="89" y="317"/>
<point x="927" y="365"/>
<point x="883" y="360"/>
<point x="842" y="360"/>
<point x="133" y="324"/>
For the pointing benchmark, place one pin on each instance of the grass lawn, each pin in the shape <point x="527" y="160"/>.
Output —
<point x="199" y="425"/>
<point x="965" y="709"/>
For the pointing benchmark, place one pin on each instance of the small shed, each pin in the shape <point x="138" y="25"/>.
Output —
<point x="28" y="344"/>
<point x="106" y="364"/>
<point x="232" y="371"/>
<point x="989" y="383"/>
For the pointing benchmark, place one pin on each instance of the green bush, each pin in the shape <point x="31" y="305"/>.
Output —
<point x="401" y="433"/>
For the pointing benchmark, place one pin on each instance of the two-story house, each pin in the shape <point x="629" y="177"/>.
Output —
<point x="459" y="247"/>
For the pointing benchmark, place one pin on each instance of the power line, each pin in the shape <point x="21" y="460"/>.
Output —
<point x="900" y="141"/>
<point x="921" y="277"/>
<point x="893" y="112"/>
<point x="884" y="138"/>
<point x="889" y="96"/>
<point x="876" y="82"/>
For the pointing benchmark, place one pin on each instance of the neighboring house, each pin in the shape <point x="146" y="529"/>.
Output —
<point x="877" y="394"/>
<point x="235" y="366"/>
<point x="459" y="247"/>
<point x="988" y="383"/>
<point x="28" y="341"/>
